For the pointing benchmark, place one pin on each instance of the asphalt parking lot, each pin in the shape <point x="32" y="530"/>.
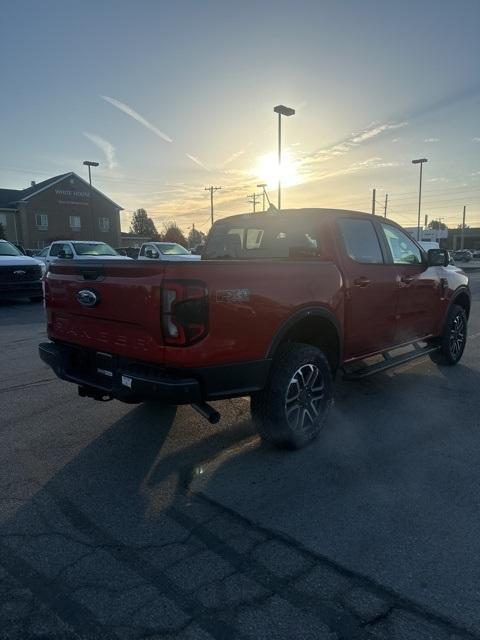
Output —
<point x="146" y="522"/>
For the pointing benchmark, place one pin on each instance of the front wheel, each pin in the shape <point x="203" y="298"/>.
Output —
<point x="454" y="338"/>
<point x="293" y="407"/>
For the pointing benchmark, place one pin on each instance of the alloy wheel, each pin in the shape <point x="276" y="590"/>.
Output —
<point x="304" y="396"/>
<point x="457" y="336"/>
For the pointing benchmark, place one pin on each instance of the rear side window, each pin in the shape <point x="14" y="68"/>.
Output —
<point x="361" y="241"/>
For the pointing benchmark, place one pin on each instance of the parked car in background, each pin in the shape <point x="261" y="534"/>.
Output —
<point x="476" y="254"/>
<point x="462" y="255"/>
<point x="20" y="276"/>
<point x="79" y="250"/>
<point x="131" y="252"/>
<point x="165" y="251"/>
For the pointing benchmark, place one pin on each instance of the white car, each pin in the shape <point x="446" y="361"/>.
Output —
<point x="165" y="251"/>
<point x="20" y="275"/>
<point x="79" y="250"/>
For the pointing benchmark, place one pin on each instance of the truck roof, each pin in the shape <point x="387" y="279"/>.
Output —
<point x="309" y="210"/>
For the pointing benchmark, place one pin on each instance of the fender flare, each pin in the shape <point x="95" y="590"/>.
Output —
<point x="301" y="314"/>
<point x="463" y="289"/>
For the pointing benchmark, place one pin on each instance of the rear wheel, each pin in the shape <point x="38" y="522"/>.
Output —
<point x="293" y="407"/>
<point x="454" y="338"/>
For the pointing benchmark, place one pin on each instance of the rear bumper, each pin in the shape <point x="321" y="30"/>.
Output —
<point x="131" y="381"/>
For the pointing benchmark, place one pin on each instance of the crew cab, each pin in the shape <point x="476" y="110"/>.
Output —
<point x="165" y="251"/>
<point x="278" y="305"/>
<point x="20" y="275"/>
<point x="78" y="250"/>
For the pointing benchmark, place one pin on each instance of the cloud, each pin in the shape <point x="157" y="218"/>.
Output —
<point x="432" y="140"/>
<point x="351" y="142"/>
<point x="136" y="116"/>
<point x="106" y="147"/>
<point x="475" y="139"/>
<point x="196" y="160"/>
<point x="395" y="140"/>
<point x="374" y="130"/>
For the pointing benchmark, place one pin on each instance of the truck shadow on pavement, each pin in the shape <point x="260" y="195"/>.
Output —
<point x="114" y="541"/>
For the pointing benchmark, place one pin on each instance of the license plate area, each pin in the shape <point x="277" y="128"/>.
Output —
<point x="91" y="366"/>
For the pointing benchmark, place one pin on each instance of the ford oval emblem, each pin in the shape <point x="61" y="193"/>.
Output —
<point x="88" y="298"/>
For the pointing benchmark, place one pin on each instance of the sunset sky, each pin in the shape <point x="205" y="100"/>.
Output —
<point x="173" y="97"/>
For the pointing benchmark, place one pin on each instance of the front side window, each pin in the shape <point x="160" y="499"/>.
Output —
<point x="404" y="250"/>
<point x="361" y="241"/>
<point x="75" y="223"/>
<point x="58" y="248"/>
<point x="41" y="220"/>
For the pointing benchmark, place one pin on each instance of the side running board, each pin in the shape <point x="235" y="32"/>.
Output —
<point x="355" y="372"/>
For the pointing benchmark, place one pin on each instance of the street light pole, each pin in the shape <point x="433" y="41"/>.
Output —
<point x="90" y="164"/>
<point x="282" y="111"/>
<point x="420" y="161"/>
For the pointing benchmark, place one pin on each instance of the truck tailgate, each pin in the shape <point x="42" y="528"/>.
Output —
<point x="125" y="318"/>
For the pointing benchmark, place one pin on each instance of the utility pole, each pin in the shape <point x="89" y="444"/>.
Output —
<point x="386" y="203"/>
<point x="212" y="190"/>
<point x="426" y="221"/>
<point x="462" y="241"/>
<point x="253" y="199"/>
<point x="263" y="186"/>
<point x="373" y="201"/>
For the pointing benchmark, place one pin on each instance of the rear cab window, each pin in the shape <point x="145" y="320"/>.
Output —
<point x="265" y="236"/>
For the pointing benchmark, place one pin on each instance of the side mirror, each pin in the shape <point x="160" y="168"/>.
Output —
<point x="438" y="258"/>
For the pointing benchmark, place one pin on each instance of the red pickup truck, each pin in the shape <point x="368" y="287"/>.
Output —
<point x="279" y="303"/>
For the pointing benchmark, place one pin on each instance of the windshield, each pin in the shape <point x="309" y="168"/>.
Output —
<point x="94" y="249"/>
<point x="172" y="249"/>
<point x="7" y="249"/>
<point x="263" y="236"/>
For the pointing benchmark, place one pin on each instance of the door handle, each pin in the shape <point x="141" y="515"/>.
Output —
<point x="406" y="279"/>
<point x="361" y="282"/>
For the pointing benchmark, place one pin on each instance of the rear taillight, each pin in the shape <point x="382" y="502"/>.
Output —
<point x="184" y="311"/>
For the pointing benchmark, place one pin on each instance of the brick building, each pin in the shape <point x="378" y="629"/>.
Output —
<point x="60" y="208"/>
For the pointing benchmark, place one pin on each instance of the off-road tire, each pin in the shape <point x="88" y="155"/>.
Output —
<point x="454" y="338"/>
<point x="273" y="409"/>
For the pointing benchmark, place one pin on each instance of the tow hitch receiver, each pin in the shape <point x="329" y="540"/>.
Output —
<point x="207" y="412"/>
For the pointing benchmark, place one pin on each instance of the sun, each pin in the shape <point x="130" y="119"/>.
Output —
<point x="267" y="170"/>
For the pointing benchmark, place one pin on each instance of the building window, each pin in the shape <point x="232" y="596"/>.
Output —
<point x="104" y="224"/>
<point x="75" y="223"/>
<point x="41" y="220"/>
